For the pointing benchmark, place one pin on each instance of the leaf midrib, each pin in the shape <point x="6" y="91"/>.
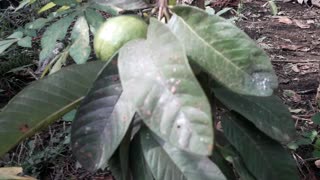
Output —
<point x="257" y="145"/>
<point x="210" y="47"/>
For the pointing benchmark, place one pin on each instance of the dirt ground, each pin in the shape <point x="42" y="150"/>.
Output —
<point x="292" y="41"/>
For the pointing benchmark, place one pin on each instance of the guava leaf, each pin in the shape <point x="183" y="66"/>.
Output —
<point x="56" y="31"/>
<point x="264" y="157"/>
<point x="119" y="162"/>
<point x="101" y="121"/>
<point x="232" y="155"/>
<point x="169" y="163"/>
<point x="108" y="9"/>
<point x="164" y="90"/>
<point x="25" y="42"/>
<point x="268" y="114"/>
<point x="43" y="102"/>
<point x="65" y="2"/>
<point x="46" y="7"/>
<point x="138" y="164"/>
<point x="123" y="4"/>
<point x="38" y="23"/>
<point x="224" y="51"/>
<point x="80" y="49"/>
<point x="16" y="35"/>
<point x="5" y="44"/>
<point x="94" y="19"/>
<point x="223" y="165"/>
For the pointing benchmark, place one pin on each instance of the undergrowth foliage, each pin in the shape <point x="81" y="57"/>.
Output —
<point x="150" y="111"/>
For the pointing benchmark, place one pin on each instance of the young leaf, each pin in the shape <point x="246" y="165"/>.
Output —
<point x="46" y="7"/>
<point x="224" y="51"/>
<point x="169" y="163"/>
<point x="25" y="42"/>
<point x="94" y="19"/>
<point x="56" y="31"/>
<point x="80" y="49"/>
<point x="268" y="114"/>
<point x="102" y="120"/>
<point x="264" y="157"/>
<point x="43" y="102"/>
<point x="164" y="90"/>
<point x="123" y="4"/>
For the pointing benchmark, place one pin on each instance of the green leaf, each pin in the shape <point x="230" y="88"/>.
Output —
<point x="164" y="90"/>
<point x="56" y="31"/>
<point x="316" y="119"/>
<point x="224" y="51"/>
<point x="169" y="163"/>
<point x="22" y="4"/>
<point x="119" y="162"/>
<point x="16" y="35"/>
<point x="5" y="44"/>
<point x="223" y="165"/>
<point x="65" y="2"/>
<point x="123" y="4"/>
<point x="80" y="49"/>
<point x="268" y="114"/>
<point x="38" y="23"/>
<point x="69" y="116"/>
<point x="94" y="19"/>
<point x="138" y="164"/>
<point x="264" y="157"/>
<point x="108" y="9"/>
<point x="25" y="42"/>
<point x="238" y="164"/>
<point x="47" y="7"/>
<point x="43" y="102"/>
<point x="102" y="120"/>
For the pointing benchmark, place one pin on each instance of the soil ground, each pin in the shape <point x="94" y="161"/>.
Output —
<point x="292" y="41"/>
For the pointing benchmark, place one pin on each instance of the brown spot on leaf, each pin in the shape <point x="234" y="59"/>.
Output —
<point x="24" y="128"/>
<point x="89" y="155"/>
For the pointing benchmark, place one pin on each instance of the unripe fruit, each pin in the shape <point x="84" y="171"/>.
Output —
<point x="115" y="32"/>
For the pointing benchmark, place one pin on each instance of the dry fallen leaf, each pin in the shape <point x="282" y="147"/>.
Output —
<point x="315" y="3"/>
<point x="301" y="24"/>
<point x="290" y="47"/>
<point x="12" y="173"/>
<point x="317" y="163"/>
<point x="284" y="19"/>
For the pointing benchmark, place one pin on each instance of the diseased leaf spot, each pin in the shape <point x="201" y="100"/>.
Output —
<point x="24" y="128"/>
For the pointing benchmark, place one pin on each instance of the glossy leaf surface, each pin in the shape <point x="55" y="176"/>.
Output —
<point x="264" y="157"/>
<point x="101" y="121"/>
<point x="168" y="162"/>
<point x="123" y="4"/>
<point x="56" y="31"/>
<point x="43" y="102"/>
<point x="164" y="90"/>
<point x="224" y="51"/>
<point x="268" y="114"/>
<point x="80" y="49"/>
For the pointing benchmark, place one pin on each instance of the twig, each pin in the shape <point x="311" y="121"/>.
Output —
<point x="300" y="118"/>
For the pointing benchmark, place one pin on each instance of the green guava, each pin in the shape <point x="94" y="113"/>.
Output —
<point x="117" y="31"/>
